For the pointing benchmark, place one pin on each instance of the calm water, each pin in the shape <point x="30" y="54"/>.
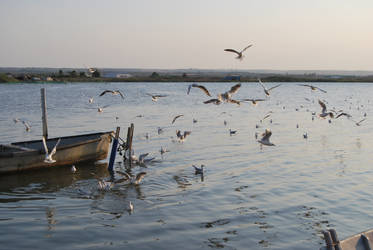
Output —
<point x="278" y="197"/>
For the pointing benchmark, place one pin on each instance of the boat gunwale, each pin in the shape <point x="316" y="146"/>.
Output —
<point x="62" y="147"/>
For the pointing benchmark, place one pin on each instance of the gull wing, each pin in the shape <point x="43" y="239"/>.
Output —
<point x="260" y="82"/>
<point x="323" y="106"/>
<point x="45" y="145"/>
<point x="232" y="50"/>
<point x="106" y="91"/>
<point x="187" y="133"/>
<point x="120" y="93"/>
<point x="321" y="90"/>
<point x="55" y="147"/>
<point x="201" y="87"/>
<point x="176" y="118"/>
<point x="246" y="48"/>
<point x="214" y="101"/>
<point x="274" y="87"/>
<point x="266" y="135"/>
<point x="234" y="88"/>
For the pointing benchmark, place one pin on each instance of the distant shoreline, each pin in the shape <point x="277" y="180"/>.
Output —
<point x="99" y="76"/>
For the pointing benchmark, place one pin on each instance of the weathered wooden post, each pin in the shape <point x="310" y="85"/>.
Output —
<point x="44" y="112"/>
<point x="129" y="144"/>
<point x="113" y="150"/>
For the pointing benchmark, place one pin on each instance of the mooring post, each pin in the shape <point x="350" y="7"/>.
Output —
<point x="44" y="112"/>
<point x="130" y="136"/>
<point x="113" y="150"/>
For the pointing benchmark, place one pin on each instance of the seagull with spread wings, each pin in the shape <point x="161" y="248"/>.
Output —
<point x="312" y="87"/>
<point x="265" y="138"/>
<point x="324" y="113"/>
<point x="155" y="97"/>
<point x="266" y="91"/>
<point x="253" y="101"/>
<point x="240" y="56"/>
<point x="201" y="87"/>
<point x="113" y="92"/>
<point x="48" y="156"/>
<point x="182" y="136"/>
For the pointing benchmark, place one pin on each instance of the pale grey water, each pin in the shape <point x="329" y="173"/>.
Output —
<point x="278" y="197"/>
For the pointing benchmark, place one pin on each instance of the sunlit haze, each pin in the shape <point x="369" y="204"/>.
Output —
<point x="172" y="34"/>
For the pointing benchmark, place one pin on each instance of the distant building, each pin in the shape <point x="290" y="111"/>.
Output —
<point x="232" y="78"/>
<point x="125" y="76"/>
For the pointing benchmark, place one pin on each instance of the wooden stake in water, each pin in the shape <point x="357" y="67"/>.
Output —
<point x="44" y="112"/>
<point x="114" y="150"/>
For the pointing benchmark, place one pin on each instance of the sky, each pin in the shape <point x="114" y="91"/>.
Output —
<point x="183" y="34"/>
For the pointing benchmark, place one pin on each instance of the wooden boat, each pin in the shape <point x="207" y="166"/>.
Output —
<point x="360" y="241"/>
<point x="26" y="155"/>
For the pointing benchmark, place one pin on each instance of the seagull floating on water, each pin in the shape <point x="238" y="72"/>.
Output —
<point x="240" y="56"/>
<point x="73" y="169"/>
<point x="134" y="179"/>
<point x="130" y="207"/>
<point x="27" y="126"/>
<point x="198" y="170"/>
<point x="48" y="156"/>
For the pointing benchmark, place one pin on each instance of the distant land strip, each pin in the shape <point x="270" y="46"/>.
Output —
<point x="35" y="75"/>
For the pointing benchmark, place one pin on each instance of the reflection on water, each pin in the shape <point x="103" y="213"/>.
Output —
<point x="249" y="196"/>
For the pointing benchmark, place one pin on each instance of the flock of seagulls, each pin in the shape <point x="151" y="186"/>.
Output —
<point x="225" y="97"/>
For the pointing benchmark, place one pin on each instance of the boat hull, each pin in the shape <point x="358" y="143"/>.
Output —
<point x="71" y="150"/>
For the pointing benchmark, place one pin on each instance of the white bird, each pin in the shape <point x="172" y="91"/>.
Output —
<point x="323" y="111"/>
<point x="16" y="120"/>
<point x="90" y="100"/>
<point x="113" y="92"/>
<point x="312" y="87"/>
<point x="73" y="169"/>
<point x="182" y="136"/>
<point x="27" y="126"/>
<point x="265" y="139"/>
<point x="156" y="97"/>
<point x="240" y="56"/>
<point x="266" y="91"/>
<point x="48" y="156"/>
<point x="130" y="207"/>
<point x="163" y="150"/>
<point x="227" y="96"/>
<point x="101" y="109"/>
<point x="134" y="179"/>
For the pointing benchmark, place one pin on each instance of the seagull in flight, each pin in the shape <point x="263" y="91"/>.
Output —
<point x="155" y="97"/>
<point x="201" y="87"/>
<point x="253" y="101"/>
<point x="105" y="185"/>
<point x="323" y="111"/>
<point x="312" y="87"/>
<point x="240" y="56"/>
<point x="134" y="179"/>
<point x="101" y="109"/>
<point x="113" y="92"/>
<point x="359" y="122"/>
<point x="227" y="96"/>
<point x="182" y="136"/>
<point x="266" y="91"/>
<point x="214" y="101"/>
<point x="48" y="156"/>
<point x="265" y="138"/>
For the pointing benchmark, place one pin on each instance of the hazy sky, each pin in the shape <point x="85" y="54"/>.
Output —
<point x="286" y="34"/>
